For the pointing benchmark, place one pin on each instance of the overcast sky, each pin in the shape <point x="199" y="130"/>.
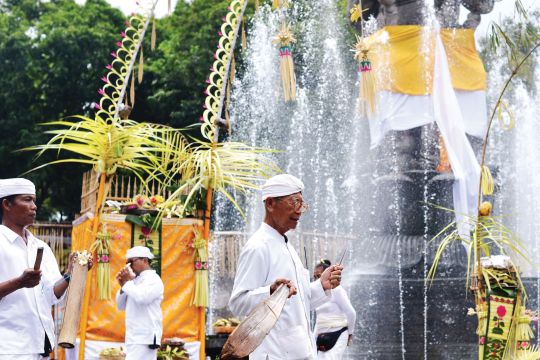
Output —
<point x="502" y="8"/>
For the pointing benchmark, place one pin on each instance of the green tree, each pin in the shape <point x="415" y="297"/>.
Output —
<point x="53" y="55"/>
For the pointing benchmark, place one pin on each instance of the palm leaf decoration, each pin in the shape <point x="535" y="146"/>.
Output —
<point x="488" y="232"/>
<point x="108" y="146"/>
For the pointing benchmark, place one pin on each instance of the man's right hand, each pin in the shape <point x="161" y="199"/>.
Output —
<point x="275" y="285"/>
<point x="29" y="278"/>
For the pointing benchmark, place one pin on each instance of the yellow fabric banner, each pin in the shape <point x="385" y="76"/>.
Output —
<point x="403" y="59"/>
<point x="105" y="322"/>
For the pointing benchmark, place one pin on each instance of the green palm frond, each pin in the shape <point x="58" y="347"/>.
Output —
<point x="222" y="167"/>
<point x="488" y="232"/>
<point x="108" y="146"/>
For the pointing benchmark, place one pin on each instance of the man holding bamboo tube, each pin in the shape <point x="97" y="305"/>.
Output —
<point x="30" y="281"/>
<point x="140" y="295"/>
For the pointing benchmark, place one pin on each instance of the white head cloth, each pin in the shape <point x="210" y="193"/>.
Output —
<point x="281" y="185"/>
<point x="16" y="186"/>
<point x="139" y="252"/>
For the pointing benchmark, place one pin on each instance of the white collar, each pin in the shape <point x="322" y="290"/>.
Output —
<point x="12" y="235"/>
<point x="272" y="232"/>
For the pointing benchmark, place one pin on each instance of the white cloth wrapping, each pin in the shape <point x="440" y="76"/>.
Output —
<point x="460" y="153"/>
<point x="141" y="299"/>
<point x="25" y="314"/>
<point x="265" y="258"/>
<point x="281" y="185"/>
<point x="403" y="112"/>
<point x="336" y="313"/>
<point x="16" y="186"/>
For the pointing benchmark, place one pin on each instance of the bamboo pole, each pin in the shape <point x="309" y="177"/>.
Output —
<point x="95" y="225"/>
<point x="206" y="235"/>
<point x="75" y="298"/>
<point x="484" y="151"/>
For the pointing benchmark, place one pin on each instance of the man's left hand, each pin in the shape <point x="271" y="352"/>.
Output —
<point x="331" y="277"/>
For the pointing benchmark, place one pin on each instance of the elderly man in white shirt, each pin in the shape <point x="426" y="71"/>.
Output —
<point x="140" y="296"/>
<point x="268" y="260"/>
<point x="26" y="294"/>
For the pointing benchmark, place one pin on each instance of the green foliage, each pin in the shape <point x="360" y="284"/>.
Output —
<point x="186" y="43"/>
<point x="53" y="54"/>
<point x="513" y="39"/>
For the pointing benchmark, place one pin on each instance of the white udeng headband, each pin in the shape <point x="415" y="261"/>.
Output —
<point x="16" y="186"/>
<point x="281" y="185"/>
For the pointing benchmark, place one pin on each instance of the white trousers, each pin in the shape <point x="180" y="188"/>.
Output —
<point x="140" y="352"/>
<point x="336" y="353"/>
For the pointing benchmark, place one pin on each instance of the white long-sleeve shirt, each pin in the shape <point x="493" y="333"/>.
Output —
<point x="336" y="313"/>
<point x="265" y="258"/>
<point x="25" y="314"/>
<point x="141" y="299"/>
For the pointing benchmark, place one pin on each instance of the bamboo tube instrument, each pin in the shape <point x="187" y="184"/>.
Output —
<point x="75" y="297"/>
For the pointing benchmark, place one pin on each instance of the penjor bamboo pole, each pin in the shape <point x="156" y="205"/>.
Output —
<point x="484" y="150"/>
<point x="206" y="234"/>
<point x="95" y="225"/>
<point x="209" y="193"/>
<point x="75" y="297"/>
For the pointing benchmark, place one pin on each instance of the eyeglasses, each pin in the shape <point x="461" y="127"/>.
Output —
<point x="298" y="204"/>
<point x="132" y="260"/>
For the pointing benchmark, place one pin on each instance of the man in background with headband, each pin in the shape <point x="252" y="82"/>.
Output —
<point x="267" y="261"/>
<point x="140" y="295"/>
<point x="26" y="293"/>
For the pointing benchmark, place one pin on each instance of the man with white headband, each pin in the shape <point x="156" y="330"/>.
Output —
<point x="268" y="260"/>
<point x="140" y="295"/>
<point x="27" y="290"/>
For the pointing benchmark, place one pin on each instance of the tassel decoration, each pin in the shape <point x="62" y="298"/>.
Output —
<point x="284" y="39"/>
<point x="487" y="185"/>
<point x="153" y="36"/>
<point x="244" y="41"/>
<point x="132" y="90"/>
<point x="101" y="247"/>
<point x="524" y="333"/>
<point x="367" y="81"/>
<point x="141" y="67"/>
<point x="200" y="255"/>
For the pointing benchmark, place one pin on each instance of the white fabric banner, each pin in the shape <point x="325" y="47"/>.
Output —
<point x="460" y="153"/>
